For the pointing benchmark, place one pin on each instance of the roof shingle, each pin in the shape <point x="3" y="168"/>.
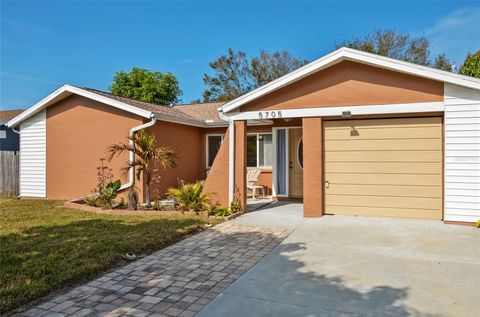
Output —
<point x="6" y="115"/>
<point x="201" y="112"/>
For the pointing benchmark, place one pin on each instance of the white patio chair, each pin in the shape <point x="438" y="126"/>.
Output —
<point x="252" y="177"/>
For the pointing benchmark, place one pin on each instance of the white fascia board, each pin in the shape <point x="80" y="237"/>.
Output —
<point x="356" y="56"/>
<point x="190" y="122"/>
<point x="68" y="89"/>
<point x="337" y="111"/>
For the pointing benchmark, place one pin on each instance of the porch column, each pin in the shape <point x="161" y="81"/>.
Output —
<point x="241" y="163"/>
<point x="312" y="167"/>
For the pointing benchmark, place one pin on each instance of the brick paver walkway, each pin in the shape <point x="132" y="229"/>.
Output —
<point x="176" y="281"/>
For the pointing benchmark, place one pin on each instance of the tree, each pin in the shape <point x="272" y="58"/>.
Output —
<point x="471" y="65"/>
<point x="148" y="157"/>
<point x="145" y="85"/>
<point x="237" y="74"/>
<point x="400" y="46"/>
<point x="442" y="62"/>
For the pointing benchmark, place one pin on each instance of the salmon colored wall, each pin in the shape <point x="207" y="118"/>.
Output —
<point x="203" y="156"/>
<point x="347" y="84"/>
<point x="241" y="163"/>
<point x="217" y="180"/>
<point x="188" y="142"/>
<point x="313" y="164"/>
<point x="79" y="130"/>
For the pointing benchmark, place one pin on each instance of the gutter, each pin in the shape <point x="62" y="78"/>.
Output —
<point x="131" y="156"/>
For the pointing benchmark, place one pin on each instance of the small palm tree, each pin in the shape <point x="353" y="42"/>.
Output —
<point x="147" y="157"/>
<point x="190" y="197"/>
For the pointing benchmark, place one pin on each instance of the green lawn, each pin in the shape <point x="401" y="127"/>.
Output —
<point x="44" y="246"/>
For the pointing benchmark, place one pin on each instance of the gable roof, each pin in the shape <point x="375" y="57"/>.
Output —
<point x="201" y="116"/>
<point x="201" y="112"/>
<point x="349" y="54"/>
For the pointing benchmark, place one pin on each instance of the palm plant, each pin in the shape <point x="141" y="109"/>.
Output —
<point x="148" y="157"/>
<point x="190" y="196"/>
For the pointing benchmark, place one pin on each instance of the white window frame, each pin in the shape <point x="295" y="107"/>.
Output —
<point x="258" y="152"/>
<point x="207" y="149"/>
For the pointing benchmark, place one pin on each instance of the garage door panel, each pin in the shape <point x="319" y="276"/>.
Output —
<point x="384" y="145"/>
<point x="401" y="123"/>
<point x="383" y="134"/>
<point x="384" y="156"/>
<point x="384" y="167"/>
<point x="385" y="212"/>
<point x="383" y="179"/>
<point x="387" y="190"/>
<point x="384" y="201"/>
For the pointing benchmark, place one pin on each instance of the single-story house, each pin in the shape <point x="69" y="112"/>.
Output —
<point x="9" y="139"/>
<point x="351" y="133"/>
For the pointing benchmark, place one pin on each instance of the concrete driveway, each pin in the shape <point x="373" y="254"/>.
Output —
<point x="355" y="266"/>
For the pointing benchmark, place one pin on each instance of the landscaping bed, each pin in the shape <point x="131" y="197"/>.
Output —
<point x="45" y="246"/>
<point x="80" y="204"/>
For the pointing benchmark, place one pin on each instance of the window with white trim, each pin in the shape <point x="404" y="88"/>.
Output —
<point x="214" y="141"/>
<point x="259" y="150"/>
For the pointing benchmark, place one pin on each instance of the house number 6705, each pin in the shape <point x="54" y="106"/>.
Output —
<point x="269" y="114"/>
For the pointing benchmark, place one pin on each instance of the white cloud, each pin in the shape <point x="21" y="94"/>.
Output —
<point x="456" y="34"/>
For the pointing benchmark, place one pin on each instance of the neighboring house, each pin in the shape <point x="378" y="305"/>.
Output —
<point x="351" y="133"/>
<point x="9" y="139"/>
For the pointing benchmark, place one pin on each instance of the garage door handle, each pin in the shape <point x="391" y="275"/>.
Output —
<point x="327" y="184"/>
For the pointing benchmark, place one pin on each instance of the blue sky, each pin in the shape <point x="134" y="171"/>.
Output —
<point x="46" y="44"/>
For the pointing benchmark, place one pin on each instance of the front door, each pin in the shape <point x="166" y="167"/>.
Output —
<point x="295" y="164"/>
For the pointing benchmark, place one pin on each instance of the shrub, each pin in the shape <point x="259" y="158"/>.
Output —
<point x="107" y="194"/>
<point x="91" y="200"/>
<point x="189" y="196"/>
<point x="221" y="211"/>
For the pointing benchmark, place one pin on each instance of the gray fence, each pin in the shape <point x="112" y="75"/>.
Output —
<point x="9" y="173"/>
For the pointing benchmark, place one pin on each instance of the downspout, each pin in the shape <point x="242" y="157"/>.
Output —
<point x="131" y="157"/>
<point x="231" y="156"/>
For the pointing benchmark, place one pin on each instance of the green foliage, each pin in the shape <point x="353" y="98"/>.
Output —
<point x="148" y="157"/>
<point x="235" y="206"/>
<point x="400" y="46"/>
<point x="189" y="197"/>
<point x="471" y="65"/>
<point x="107" y="194"/>
<point x="221" y="211"/>
<point x="236" y="74"/>
<point x="145" y="85"/>
<point x="92" y="200"/>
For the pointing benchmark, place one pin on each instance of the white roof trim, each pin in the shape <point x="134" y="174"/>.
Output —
<point x="356" y="56"/>
<point x="69" y="89"/>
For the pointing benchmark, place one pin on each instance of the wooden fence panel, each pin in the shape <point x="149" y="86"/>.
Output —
<point x="9" y="173"/>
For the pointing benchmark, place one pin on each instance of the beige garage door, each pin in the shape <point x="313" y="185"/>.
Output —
<point x="384" y="167"/>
